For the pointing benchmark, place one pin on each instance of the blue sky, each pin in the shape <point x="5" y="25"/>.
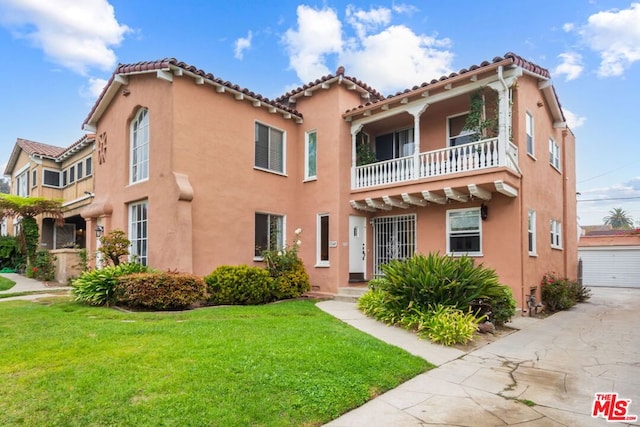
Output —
<point x="59" y="53"/>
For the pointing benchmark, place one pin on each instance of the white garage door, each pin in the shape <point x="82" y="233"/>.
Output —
<point x="612" y="266"/>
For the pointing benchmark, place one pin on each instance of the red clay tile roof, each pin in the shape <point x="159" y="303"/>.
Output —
<point x="515" y="59"/>
<point x="82" y="142"/>
<point x="374" y="94"/>
<point x="40" y="149"/>
<point x="164" y="64"/>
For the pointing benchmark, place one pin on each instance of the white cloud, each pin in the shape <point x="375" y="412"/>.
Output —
<point x="615" y="35"/>
<point x="93" y="89"/>
<point x="571" y="65"/>
<point x="319" y="35"/>
<point x="78" y="35"/>
<point x="573" y="120"/>
<point x="421" y="58"/>
<point x="568" y="26"/>
<point x="242" y="44"/>
<point x="365" y="21"/>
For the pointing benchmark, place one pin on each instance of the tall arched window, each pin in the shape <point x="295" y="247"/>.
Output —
<point x="140" y="147"/>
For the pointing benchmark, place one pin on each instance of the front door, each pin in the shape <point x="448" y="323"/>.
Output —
<point x="357" y="248"/>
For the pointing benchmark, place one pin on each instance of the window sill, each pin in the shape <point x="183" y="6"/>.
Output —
<point x="533" y="254"/>
<point x="270" y="171"/>
<point x="557" y="248"/>
<point x="470" y="254"/>
<point x="322" y="265"/>
<point x="533" y="157"/>
<point x="556" y="169"/>
<point x="311" y="179"/>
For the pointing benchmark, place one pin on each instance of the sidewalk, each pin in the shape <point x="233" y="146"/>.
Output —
<point x="545" y="374"/>
<point x="24" y="284"/>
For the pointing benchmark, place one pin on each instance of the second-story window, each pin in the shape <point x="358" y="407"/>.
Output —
<point x="269" y="145"/>
<point x="51" y="178"/>
<point x="554" y="154"/>
<point x="139" y="154"/>
<point x="22" y="184"/>
<point x="310" y="164"/>
<point x="529" y="134"/>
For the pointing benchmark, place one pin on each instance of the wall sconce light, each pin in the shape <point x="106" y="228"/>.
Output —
<point x="99" y="231"/>
<point x="484" y="211"/>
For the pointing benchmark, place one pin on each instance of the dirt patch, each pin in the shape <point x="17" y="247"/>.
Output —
<point x="480" y="340"/>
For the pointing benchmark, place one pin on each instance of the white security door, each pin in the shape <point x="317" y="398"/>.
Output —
<point x="357" y="247"/>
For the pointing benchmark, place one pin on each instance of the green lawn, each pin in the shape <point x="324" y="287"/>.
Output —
<point x="6" y="284"/>
<point x="285" y="364"/>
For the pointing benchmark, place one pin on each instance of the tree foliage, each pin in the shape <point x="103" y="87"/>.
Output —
<point x="114" y="246"/>
<point x="619" y="219"/>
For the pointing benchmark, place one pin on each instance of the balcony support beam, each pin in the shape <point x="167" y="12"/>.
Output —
<point x="393" y="202"/>
<point x="455" y="195"/>
<point x="377" y="204"/>
<point x="430" y="196"/>
<point x="478" y="192"/>
<point x="413" y="200"/>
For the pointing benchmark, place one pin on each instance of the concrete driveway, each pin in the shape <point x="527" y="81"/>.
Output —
<point x="546" y="374"/>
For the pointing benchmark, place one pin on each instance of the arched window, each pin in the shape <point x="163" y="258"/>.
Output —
<point x="139" y="155"/>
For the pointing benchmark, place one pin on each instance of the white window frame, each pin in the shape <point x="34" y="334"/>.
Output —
<point x="283" y="148"/>
<point x="22" y="182"/>
<point x="531" y="232"/>
<point x="451" y="234"/>
<point x="554" y="154"/>
<point x="72" y="174"/>
<point x="139" y="147"/>
<point x="79" y="170"/>
<point x="556" y="234"/>
<point x="308" y="157"/>
<point x="44" y="181"/>
<point x="467" y="132"/>
<point x="88" y="166"/>
<point x="529" y="135"/>
<point x="34" y="178"/>
<point x="322" y="240"/>
<point x="139" y="232"/>
<point x="281" y="228"/>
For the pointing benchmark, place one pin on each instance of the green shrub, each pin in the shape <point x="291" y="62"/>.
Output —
<point x="498" y="305"/>
<point x="374" y="303"/>
<point x="96" y="287"/>
<point x="239" y="285"/>
<point x="448" y="326"/>
<point x="559" y="293"/>
<point x="43" y="268"/>
<point x="425" y="281"/>
<point x="160" y="291"/>
<point x="10" y="255"/>
<point x="287" y="269"/>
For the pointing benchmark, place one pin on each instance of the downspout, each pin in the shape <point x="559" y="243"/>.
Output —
<point x="504" y="136"/>
<point x="565" y="217"/>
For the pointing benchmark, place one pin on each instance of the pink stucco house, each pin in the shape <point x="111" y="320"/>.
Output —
<point x="202" y="172"/>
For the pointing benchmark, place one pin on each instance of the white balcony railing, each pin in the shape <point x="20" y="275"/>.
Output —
<point x="462" y="158"/>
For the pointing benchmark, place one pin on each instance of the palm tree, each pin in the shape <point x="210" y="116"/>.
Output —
<point x="618" y="219"/>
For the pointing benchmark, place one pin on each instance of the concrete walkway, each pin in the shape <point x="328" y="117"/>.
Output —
<point x="556" y="364"/>
<point x="24" y="284"/>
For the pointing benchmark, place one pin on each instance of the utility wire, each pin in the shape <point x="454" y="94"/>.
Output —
<point x="607" y="173"/>
<point x="611" y="198"/>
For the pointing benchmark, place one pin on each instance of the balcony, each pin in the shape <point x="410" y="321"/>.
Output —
<point x="475" y="156"/>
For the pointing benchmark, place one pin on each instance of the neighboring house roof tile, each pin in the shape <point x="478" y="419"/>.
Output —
<point x="39" y="149"/>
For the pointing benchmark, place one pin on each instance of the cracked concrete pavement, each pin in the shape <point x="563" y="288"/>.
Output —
<point x="545" y="374"/>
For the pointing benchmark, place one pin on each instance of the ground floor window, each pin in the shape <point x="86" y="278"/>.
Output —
<point x="323" y="240"/>
<point x="138" y="232"/>
<point x="394" y="237"/>
<point x="464" y="231"/>
<point x="556" y="234"/>
<point x="269" y="232"/>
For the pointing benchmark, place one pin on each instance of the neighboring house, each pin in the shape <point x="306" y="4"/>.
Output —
<point x="201" y="172"/>
<point x="42" y="170"/>
<point x="610" y="257"/>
